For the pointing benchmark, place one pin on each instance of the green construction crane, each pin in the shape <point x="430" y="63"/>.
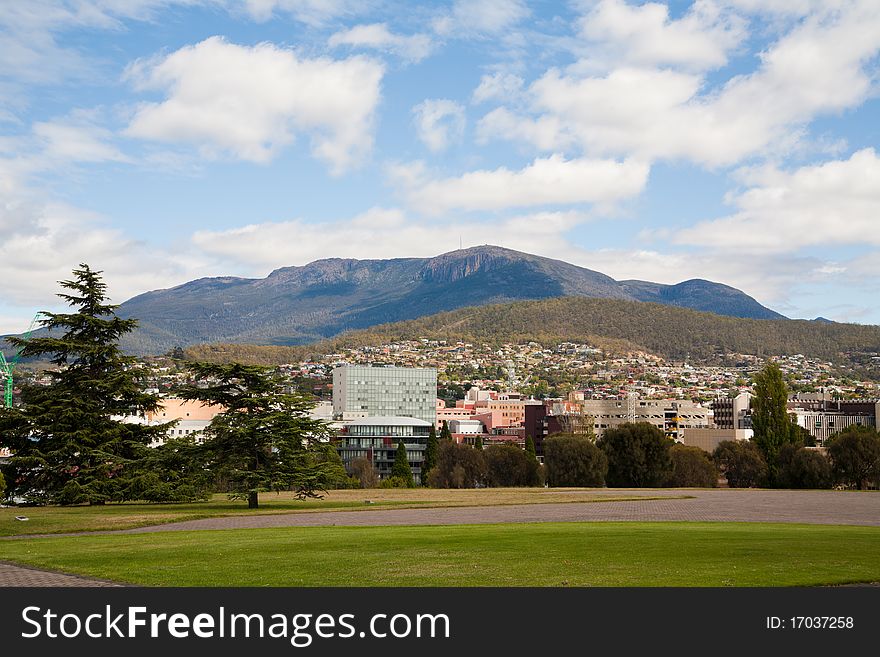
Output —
<point x="6" y="367"/>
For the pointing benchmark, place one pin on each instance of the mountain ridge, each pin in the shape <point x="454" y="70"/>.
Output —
<point x="305" y="303"/>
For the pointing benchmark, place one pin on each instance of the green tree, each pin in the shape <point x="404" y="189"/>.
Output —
<point x="478" y="443"/>
<point x="445" y="434"/>
<point x="458" y="466"/>
<point x="264" y="438"/>
<point x="638" y="455"/>
<point x="401" y="469"/>
<point x="741" y="463"/>
<point x="770" y="420"/>
<point x="69" y="445"/>
<point x="530" y="449"/>
<point x="855" y="456"/>
<point x="364" y="471"/>
<point x="508" y="465"/>
<point x="2" y="486"/>
<point x="806" y="468"/>
<point x="573" y="460"/>
<point x="692" y="467"/>
<point x="430" y="455"/>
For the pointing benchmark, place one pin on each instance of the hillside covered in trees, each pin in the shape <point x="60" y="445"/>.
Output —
<point x="614" y="325"/>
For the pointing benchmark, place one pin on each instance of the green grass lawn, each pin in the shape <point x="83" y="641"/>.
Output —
<point x="541" y="554"/>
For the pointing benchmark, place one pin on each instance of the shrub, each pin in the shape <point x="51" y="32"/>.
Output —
<point x="638" y="455"/>
<point x="508" y="465"/>
<point x="458" y="466"/>
<point x="573" y="461"/>
<point x="692" y="467"/>
<point x="855" y="456"/>
<point x="741" y="462"/>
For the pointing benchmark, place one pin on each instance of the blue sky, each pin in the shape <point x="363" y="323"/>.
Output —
<point x="166" y="140"/>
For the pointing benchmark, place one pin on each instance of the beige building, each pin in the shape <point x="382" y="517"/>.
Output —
<point x="672" y="416"/>
<point x="192" y="417"/>
<point x="708" y="438"/>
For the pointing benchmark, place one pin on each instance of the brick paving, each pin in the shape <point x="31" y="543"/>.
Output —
<point x="721" y="505"/>
<point x="12" y="575"/>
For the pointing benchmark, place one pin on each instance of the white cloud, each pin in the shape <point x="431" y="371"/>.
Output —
<point x="498" y="86"/>
<point x="547" y="181"/>
<point x="413" y="48"/>
<point x="379" y="233"/>
<point x="439" y="122"/>
<point x="820" y="67"/>
<point x="311" y="12"/>
<point x="836" y="202"/>
<point x="44" y="241"/>
<point x="76" y="138"/>
<point x="646" y="36"/>
<point x="251" y="101"/>
<point x="481" y="17"/>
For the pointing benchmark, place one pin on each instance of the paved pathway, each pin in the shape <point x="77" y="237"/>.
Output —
<point x="12" y="575"/>
<point x="724" y="505"/>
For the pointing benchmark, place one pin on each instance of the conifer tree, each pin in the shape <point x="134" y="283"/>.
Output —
<point x="401" y="467"/>
<point x="478" y="443"/>
<point x="264" y="439"/>
<point x="69" y="445"/>
<point x="530" y="449"/>
<point x="770" y="420"/>
<point x="445" y="434"/>
<point x="430" y="455"/>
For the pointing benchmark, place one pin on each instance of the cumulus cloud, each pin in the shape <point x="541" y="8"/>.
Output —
<point x="312" y="12"/>
<point x="836" y="202"/>
<point x="380" y="233"/>
<point x="819" y="67"/>
<point x="546" y="181"/>
<point x="482" y="17"/>
<point x="44" y="241"/>
<point x="250" y="102"/>
<point x="497" y="86"/>
<point x="646" y="36"/>
<point x="439" y="122"/>
<point x="377" y="36"/>
<point x="77" y="138"/>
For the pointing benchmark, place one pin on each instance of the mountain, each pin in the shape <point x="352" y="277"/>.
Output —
<point x="297" y="305"/>
<point x="615" y="325"/>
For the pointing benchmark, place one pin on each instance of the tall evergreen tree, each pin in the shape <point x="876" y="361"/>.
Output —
<point x="770" y="420"/>
<point x="530" y="449"/>
<point x="445" y="434"/>
<point x="264" y="440"/>
<point x="430" y="455"/>
<point x="69" y="445"/>
<point x="401" y="467"/>
<point x="478" y="443"/>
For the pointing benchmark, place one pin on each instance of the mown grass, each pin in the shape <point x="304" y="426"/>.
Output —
<point x="540" y="554"/>
<point x="55" y="519"/>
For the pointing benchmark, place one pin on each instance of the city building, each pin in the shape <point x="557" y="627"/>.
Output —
<point x="363" y="391"/>
<point x="825" y="417"/>
<point x="576" y="415"/>
<point x="192" y="417"/>
<point x="376" y="439"/>
<point x="732" y="412"/>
